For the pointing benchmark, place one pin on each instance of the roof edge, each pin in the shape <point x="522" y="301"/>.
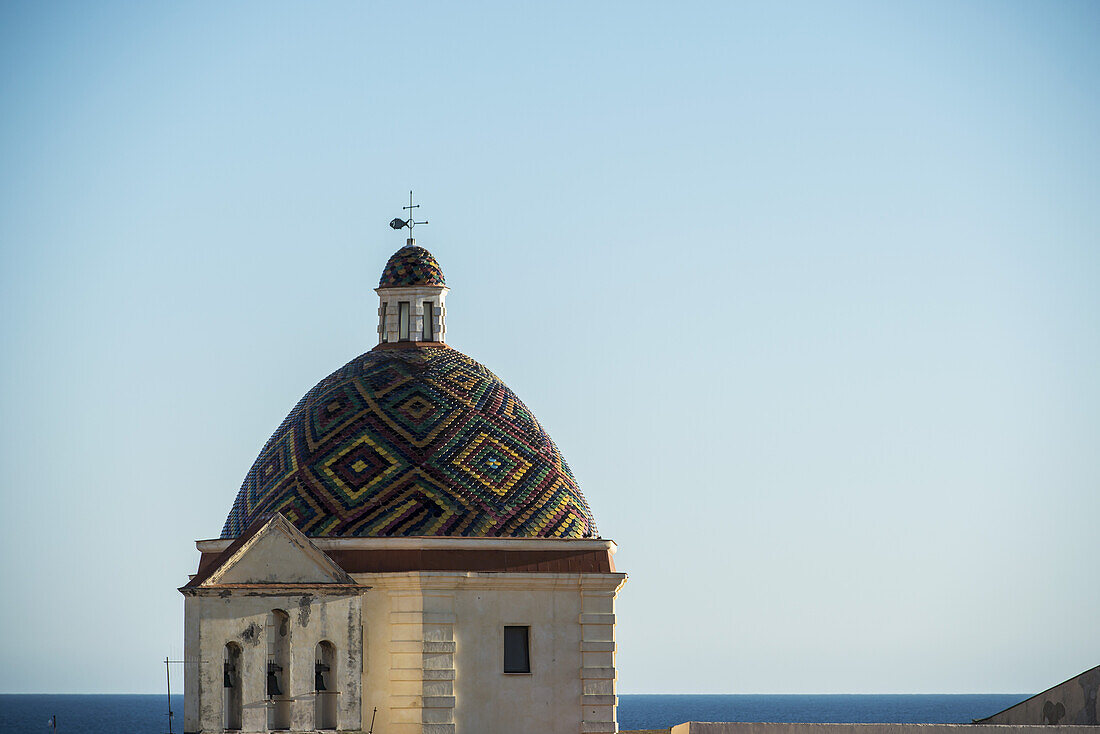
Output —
<point x="429" y="542"/>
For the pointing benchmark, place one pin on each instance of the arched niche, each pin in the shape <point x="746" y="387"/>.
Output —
<point x="232" y="699"/>
<point x="278" y="669"/>
<point x="324" y="683"/>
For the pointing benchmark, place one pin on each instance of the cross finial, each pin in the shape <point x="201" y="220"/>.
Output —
<point x="411" y="221"/>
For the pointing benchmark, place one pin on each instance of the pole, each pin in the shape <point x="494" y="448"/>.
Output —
<point x="168" y="678"/>
<point x="372" y="720"/>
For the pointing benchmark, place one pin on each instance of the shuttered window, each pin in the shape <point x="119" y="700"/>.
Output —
<point x="403" y="321"/>
<point x="428" y="333"/>
<point x="517" y="658"/>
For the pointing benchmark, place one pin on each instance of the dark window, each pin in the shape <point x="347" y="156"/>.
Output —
<point x="403" y="321"/>
<point x="383" y="321"/>
<point x="429" y="317"/>
<point x="516" y="653"/>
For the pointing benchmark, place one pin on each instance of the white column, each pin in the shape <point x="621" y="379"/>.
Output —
<point x="422" y="662"/>
<point x="598" y="676"/>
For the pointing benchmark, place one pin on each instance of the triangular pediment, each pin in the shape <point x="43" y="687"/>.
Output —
<point x="277" y="553"/>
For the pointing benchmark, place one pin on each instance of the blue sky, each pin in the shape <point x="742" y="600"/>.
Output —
<point x="806" y="293"/>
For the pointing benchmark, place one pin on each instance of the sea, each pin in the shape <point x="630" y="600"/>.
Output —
<point x="148" y="714"/>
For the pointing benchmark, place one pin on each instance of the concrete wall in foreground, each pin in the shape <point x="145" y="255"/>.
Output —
<point x="695" y="727"/>
<point x="1071" y="702"/>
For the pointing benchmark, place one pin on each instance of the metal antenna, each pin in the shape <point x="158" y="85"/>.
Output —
<point x="168" y="678"/>
<point x="411" y="221"/>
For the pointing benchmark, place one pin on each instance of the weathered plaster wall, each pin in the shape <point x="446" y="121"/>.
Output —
<point x="191" y="614"/>
<point x="1071" y="702"/>
<point x="274" y="557"/>
<point x="240" y="616"/>
<point x="546" y="700"/>
<point x="695" y="727"/>
<point x="435" y="654"/>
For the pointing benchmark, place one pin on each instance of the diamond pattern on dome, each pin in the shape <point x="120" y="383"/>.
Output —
<point x="354" y="468"/>
<point x="496" y="466"/>
<point x="411" y="265"/>
<point x="414" y="441"/>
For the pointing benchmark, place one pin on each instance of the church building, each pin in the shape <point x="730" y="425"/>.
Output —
<point x="410" y="552"/>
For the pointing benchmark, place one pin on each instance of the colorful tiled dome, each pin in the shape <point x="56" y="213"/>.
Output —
<point x="411" y="265"/>
<point x="413" y="441"/>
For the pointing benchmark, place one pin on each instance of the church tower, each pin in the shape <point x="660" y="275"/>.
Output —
<point x="409" y="551"/>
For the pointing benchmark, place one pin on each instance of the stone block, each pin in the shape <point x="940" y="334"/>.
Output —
<point x="406" y="602"/>
<point x="598" y="687"/>
<point x="439" y="661"/>
<point x="406" y="660"/>
<point x="402" y="703"/>
<point x="406" y="687"/>
<point x="404" y="714"/>
<point x="438" y="688"/>
<point x="432" y="728"/>
<point x="598" y="659"/>
<point x="597" y="646"/>
<point x="447" y="647"/>
<point x="435" y="632"/>
<point x="595" y="714"/>
<point x="597" y="603"/>
<point x="597" y="633"/>
<point x="407" y="646"/>
<point x="603" y="618"/>
<point x="600" y="673"/>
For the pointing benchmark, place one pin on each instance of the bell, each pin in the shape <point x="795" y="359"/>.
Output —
<point x="273" y="681"/>
<point x="273" y="685"/>
<point x="227" y="678"/>
<point x="319" y="677"/>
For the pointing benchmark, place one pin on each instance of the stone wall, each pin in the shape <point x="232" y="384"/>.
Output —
<point x="241" y="618"/>
<point x="695" y="727"/>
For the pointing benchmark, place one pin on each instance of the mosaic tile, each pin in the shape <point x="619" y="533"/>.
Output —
<point x="417" y="441"/>
<point x="411" y="265"/>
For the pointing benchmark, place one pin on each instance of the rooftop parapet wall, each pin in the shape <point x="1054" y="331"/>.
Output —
<point x="697" y="727"/>
<point x="1071" y="702"/>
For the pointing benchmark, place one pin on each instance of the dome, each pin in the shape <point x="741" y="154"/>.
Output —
<point x="407" y="440"/>
<point x="411" y="265"/>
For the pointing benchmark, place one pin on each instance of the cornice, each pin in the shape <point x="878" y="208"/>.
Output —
<point x="455" y="580"/>
<point x="438" y="543"/>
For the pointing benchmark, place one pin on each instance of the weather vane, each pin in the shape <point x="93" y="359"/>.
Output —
<point x="411" y="222"/>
